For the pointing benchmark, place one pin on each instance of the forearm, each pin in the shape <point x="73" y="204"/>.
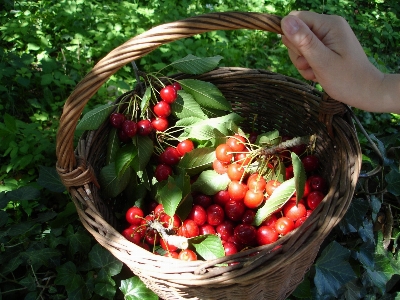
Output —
<point x="388" y="94"/>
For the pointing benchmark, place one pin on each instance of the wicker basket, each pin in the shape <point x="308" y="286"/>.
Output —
<point x="281" y="102"/>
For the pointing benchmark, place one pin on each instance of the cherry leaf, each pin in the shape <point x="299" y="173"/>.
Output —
<point x="184" y="122"/>
<point x="113" y="146"/>
<point x="197" y="160"/>
<point x="124" y="158"/>
<point x="208" y="246"/>
<point x="170" y="195"/>
<point x="145" y="148"/>
<point x="206" y="94"/>
<point x="300" y="176"/>
<point x="95" y="117"/>
<point x="278" y="198"/>
<point x="196" y="65"/>
<point x="210" y="182"/>
<point x="185" y="106"/>
<point x="144" y="104"/>
<point x="270" y="138"/>
<point x="110" y="183"/>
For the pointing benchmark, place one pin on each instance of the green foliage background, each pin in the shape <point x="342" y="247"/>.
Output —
<point x="46" y="47"/>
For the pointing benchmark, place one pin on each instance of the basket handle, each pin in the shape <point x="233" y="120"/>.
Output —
<point x="136" y="48"/>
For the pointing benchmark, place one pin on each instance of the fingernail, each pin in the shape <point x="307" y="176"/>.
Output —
<point x="290" y="25"/>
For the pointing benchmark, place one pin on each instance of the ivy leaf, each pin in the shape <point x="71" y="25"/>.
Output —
<point x="134" y="289"/>
<point x="23" y="193"/>
<point x="74" y="284"/>
<point x="393" y="182"/>
<point x="208" y="246"/>
<point x="206" y="94"/>
<point x="113" y="145"/>
<point x="78" y="241"/>
<point x="111" y="183"/>
<point x="49" y="179"/>
<point x="300" y="176"/>
<point x="40" y="257"/>
<point x="185" y="106"/>
<point x="354" y="217"/>
<point x="210" y="182"/>
<point x="144" y="104"/>
<point x="94" y="118"/>
<point x="196" y="65"/>
<point x="197" y="160"/>
<point x="333" y="270"/>
<point x="278" y="198"/>
<point x="170" y="196"/>
<point x="101" y="258"/>
<point x="124" y="158"/>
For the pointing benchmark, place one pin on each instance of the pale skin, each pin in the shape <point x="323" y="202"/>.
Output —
<point x="325" y="49"/>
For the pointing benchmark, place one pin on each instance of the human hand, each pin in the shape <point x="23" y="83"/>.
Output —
<point x="325" y="49"/>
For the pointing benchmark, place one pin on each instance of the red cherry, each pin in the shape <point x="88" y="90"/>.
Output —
<point x="293" y="211"/>
<point x="253" y="137"/>
<point x="160" y="124"/>
<point x="314" y="199"/>
<point x="224" y="153"/>
<point x="144" y="127"/>
<point x="122" y="136"/>
<point x="202" y="200"/>
<point x="284" y="225"/>
<point x="225" y="230"/>
<point x="188" y="255"/>
<point x="207" y="229"/>
<point x="271" y="186"/>
<point x="236" y="143"/>
<point x="129" y="127"/>
<point x="230" y="248"/>
<point x="248" y="216"/>
<point x="266" y="235"/>
<point x="198" y="214"/>
<point x="221" y="197"/>
<point x="256" y="182"/>
<point x="189" y="229"/>
<point x="270" y="221"/>
<point x="310" y="163"/>
<point x="162" y="172"/>
<point x="253" y="199"/>
<point x="134" y="215"/>
<point x="116" y="120"/>
<point x="215" y="214"/>
<point x="220" y="167"/>
<point x="299" y="149"/>
<point x="184" y="147"/>
<point x="317" y="183"/>
<point x="242" y="158"/>
<point x="237" y="190"/>
<point x="170" y="156"/>
<point x="246" y="234"/>
<point x="177" y="86"/>
<point x="162" y="109"/>
<point x="235" y="171"/>
<point x="234" y="210"/>
<point x="168" y="94"/>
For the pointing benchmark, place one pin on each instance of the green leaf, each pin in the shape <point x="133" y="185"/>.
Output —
<point x="23" y="193"/>
<point x="197" y="160"/>
<point x="110" y="183"/>
<point x="185" y="107"/>
<point x="134" y="289"/>
<point x="333" y="270"/>
<point x="206" y="94"/>
<point x="74" y="284"/>
<point x="269" y="138"/>
<point x="187" y="121"/>
<point x="113" y="145"/>
<point x="354" y="217"/>
<point x="101" y="258"/>
<point x="49" y="179"/>
<point x="40" y="257"/>
<point x="145" y="103"/>
<point x="124" y="158"/>
<point x="145" y="146"/>
<point x="393" y="182"/>
<point x="78" y="242"/>
<point x="278" y="198"/>
<point x="46" y="79"/>
<point x="170" y="196"/>
<point x="208" y="246"/>
<point x="196" y="65"/>
<point x="210" y="182"/>
<point x="10" y="122"/>
<point x="300" y="176"/>
<point x="94" y="118"/>
<point x="105" y="290"/>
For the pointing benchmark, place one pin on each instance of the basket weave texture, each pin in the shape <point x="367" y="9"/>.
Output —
<point x="280" y="102"/>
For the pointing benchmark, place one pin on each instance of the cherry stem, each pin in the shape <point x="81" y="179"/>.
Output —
<point x="309" y="140"/>
<point x="174" y="240"/>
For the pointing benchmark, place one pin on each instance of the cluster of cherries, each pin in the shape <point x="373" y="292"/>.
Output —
<point x="229" y="213"/>
<point x="127" y="128"/>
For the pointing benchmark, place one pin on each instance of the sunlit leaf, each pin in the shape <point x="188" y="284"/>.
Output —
<point x="134" y="289"/>
<point x="197" y="160"/>
<point x="196" y="65"/>
<point x="145" y="102"/>
<point x="94" y="118"/>
<point x="210" y="182"/>
<point x="278" y="198"/>
<point x="185" y="106"/>
<point x="170" y="196"/>
<point x="208" y="246"/>
<point x="300" y="176"/>
<point x="206" y="94"/>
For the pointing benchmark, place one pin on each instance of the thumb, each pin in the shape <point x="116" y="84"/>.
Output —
<point x="302" y="40"/>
